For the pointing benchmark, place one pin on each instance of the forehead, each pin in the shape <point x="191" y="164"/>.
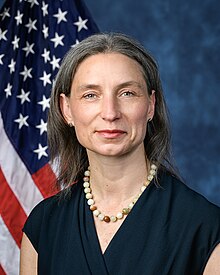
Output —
<point x="111" y="65"/>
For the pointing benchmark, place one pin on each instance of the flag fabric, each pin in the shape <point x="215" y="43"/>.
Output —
<point x="34" y="36"/>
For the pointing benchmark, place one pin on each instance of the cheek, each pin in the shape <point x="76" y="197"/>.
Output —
<point x="140" y="116"/>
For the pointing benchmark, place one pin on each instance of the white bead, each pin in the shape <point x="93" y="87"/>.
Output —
<point x="152" y="172"/>
<point x="154" y="167"/>
<point x="87" y="173"/>
<point x="119" y="215"/>
<point x="146" y="183"/>
<point x="113" y="218"/>
<point x="130" y="206"/>
<point x="88" y="196"/>
<point x="101" y="217"/>
<point x="87" y="190"/>
<point x="143" y="188"/>
<point x="86" y="184"/>
<point x="150" y="177"/>
<point x="90" y="202"/>
<point x="96" y="212"/>
<point x="135" y="199"/>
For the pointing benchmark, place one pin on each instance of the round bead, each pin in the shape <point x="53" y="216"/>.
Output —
<point x="125" y="211"/>
<point x="106" y="219"/>
<point x="87" y="173"/>
<point x="119" y="215"/>
<point x="146" y="183"/>
<point x="101" y="217"/>
<point x="90" y="202"/>
<point x="130" y="206"/>
<point x="152" y="172"/>
<point x="93" y="207"/>
<point x="154" y="167"/>
<point x="88" y="196"/>
<point x="150" y="177"/>
<point x="86" y="184"/>
<point x="143" y="188"/>
<point x="87" y="190"/>
<point x="135" y="199"/>
<point x="96" y="212"/>
<point x="113" y="219"/>
<point x="86" y="178"/>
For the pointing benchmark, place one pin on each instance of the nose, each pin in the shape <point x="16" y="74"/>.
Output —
<point x="110" y="109"/>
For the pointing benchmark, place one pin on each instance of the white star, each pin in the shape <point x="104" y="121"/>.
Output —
<point x="1" y="56"/>
<point x="24" y="96"/>
<point x="60" y="16"/>
<point x="46" y="55"/>
<point x="29" y="48"/>
<point x="22" y="121"/>
<point x="81" y="24"/>
<point x="77" y="42"/>
<point x="15" y="42"/>
<point x="41" y="151"/>
<point x="46" y="78"/>
<point x="45" y="102"/>
<point x="5" y="13"/>
<point x="12" y="66"/>
<point x="45" y="31"/>
<point x="44" y="8"/>
<point x="18" y="18"/>
<point x="42" y="126"/>
<point x="8" y="90"/>
<point x="55" y="62"/>
<point x="2" y="34"/>
<point x="26" y="73"/>
<point x="31" y="25"/>
<point x="57" y="40"/>
<point x="33" y="2"/>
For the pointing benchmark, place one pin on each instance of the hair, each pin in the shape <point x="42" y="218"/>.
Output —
<point x="62" y="141"/>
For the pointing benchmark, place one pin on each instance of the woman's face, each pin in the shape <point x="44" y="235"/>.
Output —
<point x="109" y="104"/>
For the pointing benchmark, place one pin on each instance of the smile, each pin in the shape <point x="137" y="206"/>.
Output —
<point x="106" y="133"/>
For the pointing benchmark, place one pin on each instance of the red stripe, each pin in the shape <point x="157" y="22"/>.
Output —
<point x="2" y="272"/>
<point x="45" y="180"/>
<point x="11" y="210"/>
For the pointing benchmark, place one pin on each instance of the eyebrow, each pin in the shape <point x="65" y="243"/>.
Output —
<point x="119" y="86"/>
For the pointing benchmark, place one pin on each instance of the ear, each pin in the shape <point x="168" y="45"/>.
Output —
<point x="65" y="108"/>
<point x="152" y="101"/>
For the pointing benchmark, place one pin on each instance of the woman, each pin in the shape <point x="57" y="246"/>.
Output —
<point x="122" y="209"/>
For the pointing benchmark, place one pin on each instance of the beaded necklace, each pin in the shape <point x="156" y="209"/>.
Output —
<point x="125" y="211"/>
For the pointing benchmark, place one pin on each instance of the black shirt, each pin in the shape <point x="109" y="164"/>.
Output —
<point x="170" y="230"/>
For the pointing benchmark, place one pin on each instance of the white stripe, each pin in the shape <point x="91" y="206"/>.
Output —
<point x="9" y="251"/>
<point x="16" y="174"/>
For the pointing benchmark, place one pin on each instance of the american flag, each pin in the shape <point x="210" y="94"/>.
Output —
<point x="34" y="36"/>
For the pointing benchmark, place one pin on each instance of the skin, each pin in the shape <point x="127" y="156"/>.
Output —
<point x="109" y="106"/>
<point x="109" y="93"/>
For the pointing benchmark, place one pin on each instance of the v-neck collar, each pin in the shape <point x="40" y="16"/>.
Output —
<point x="126" y="225"/>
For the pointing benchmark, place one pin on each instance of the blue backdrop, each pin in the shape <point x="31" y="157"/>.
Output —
<point x="184" y="37"/>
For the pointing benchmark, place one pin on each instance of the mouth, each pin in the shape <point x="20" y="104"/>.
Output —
<point x="110" y="133"/>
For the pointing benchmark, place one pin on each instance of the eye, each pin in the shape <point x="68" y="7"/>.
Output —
<point x="127" y="93"/>
<point x="90" y="95"/>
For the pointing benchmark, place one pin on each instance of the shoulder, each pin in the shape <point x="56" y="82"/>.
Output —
<point x="188" y="201"/>
<point x="47" y="213"/>
<point x="56" y="202"/>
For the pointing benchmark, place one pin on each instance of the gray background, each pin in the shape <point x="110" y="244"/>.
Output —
<point x="184" y="37"/>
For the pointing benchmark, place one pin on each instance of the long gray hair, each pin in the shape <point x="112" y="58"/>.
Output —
<point x="62" y="140"/>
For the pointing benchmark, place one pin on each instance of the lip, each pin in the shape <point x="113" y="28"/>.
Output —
<point x="110" y="133"/>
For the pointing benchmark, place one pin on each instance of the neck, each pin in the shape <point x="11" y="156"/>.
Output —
<point x="118" y="178"/>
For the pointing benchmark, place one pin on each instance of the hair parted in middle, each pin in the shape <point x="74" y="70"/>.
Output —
<point x="63" y="144"/>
